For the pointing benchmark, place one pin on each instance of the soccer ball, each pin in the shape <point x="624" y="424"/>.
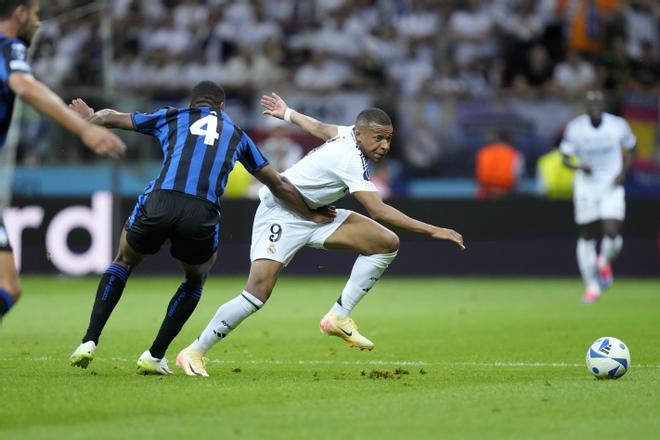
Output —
<point x="608" y="358"/>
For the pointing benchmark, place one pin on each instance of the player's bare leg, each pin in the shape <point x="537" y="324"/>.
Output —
<point x="377" y="247"/>
<point x="610" y="248"/>
<point x="261" y="281"/>
<point x="108" y="294"/>
<point x="10" y="285"/>
<point x="587" y="260"/>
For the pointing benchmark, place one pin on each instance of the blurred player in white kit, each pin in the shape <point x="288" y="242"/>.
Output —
<point x="604" y="147"/>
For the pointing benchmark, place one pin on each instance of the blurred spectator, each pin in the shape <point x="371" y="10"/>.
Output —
<point x="414" y="70"/>
<point x="641" y="27"/>
<point x="614" y="71"/>
<point x="587" y="22"/>
<point x="471" y="30"/>
<point x="498" y="168"/>
<point x="573" y="76"/>
<point x="536" y="75"/>
<point x="646" y="70"/>
<point x="248" y="70"/>
<point x="447" y="51"/>
<point x="322" y="73"/>
<point x="280" y="150"/>
<point x="521" y="27"/>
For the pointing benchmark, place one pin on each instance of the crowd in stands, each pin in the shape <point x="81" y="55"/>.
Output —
<point x="406" y="47"/>
<point x="395" y="50"/>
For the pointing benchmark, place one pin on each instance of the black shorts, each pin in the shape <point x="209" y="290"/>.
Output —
<point x="4" y="238"/>
<point x="190" y="223"/>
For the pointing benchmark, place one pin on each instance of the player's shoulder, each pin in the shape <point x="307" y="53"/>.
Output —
<point x="6" y="41"/>
<point x="578" y="121"/>
<point x="609" y="118"/>
<point x="345" y="131"/>
<point x="345" y="137"/>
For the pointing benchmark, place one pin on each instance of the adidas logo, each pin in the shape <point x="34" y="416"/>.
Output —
<point x="606" y="349"/>
<point x="219" y="335"/>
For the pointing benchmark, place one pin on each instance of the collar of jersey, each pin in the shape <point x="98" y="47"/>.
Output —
<point x="364" y="158"/>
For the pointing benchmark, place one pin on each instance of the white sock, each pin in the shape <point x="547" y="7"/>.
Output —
<point x="226" y="319"/>
<point x="586" y="256"/>
<point x="366" y="271"/>
<point x="610" y="248"/>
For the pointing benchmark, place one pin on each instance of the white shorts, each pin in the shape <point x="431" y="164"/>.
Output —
<point x="277" y="233"/>
<point x="591" y="206"/>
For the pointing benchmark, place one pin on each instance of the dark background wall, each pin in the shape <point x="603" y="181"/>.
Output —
<point x="519" y="236"/>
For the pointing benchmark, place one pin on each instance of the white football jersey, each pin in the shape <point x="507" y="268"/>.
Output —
<point x="329" y="172"/>
<point x="599" y="147"/>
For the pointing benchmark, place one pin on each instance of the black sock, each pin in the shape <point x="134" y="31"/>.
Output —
<point x="6" y="302"/>
<point x="108" y="294"/>
<point x="181" y="306"/>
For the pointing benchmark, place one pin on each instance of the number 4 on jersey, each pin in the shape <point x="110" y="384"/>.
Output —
<point x="207" y="127"/>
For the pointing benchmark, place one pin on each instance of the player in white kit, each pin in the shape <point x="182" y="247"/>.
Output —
<point x="337" y="167"/>
<point x="605" y="149"/>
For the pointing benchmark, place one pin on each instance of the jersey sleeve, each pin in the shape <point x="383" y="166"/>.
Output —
<point x="250" y="156"/>
<point x="628" y="139"/>
<point x="14" y="58"/>
<point x="355" y="175"/>
<point x="149" y="123"/>
<point x="568" y="145"/>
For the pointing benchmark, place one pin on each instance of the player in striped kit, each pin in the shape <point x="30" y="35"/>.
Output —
<point x="200" y="145"/>
<point x="19" y="21"/>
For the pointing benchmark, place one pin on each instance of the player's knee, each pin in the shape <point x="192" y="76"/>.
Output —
<point x="611" y="230"/>
<point x="196" y="280"/>
<point x="588" y="233"/>
<point x="389" y="243"/>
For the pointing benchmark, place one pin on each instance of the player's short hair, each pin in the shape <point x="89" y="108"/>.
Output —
<point x="207" y="92"/>
<point x="7" y="7"/>
<point x="372" y="116"/>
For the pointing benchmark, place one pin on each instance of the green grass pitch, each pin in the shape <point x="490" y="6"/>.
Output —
<point x="454" y="358"/>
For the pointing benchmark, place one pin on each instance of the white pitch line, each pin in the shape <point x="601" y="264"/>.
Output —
<point x="495" y="364"/>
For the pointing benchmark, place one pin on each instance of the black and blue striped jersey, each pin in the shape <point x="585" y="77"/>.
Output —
<point x="201" y="146"/>
<point x="13" y="58"/>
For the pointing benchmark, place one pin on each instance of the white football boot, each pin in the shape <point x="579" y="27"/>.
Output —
<point x="147" y="364"/>
<point x="83" y="355"/>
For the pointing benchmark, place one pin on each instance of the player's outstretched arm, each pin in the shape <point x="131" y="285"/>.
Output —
<point x="284" y="190"/>
<point x="276" y="107"/>
<point x="382" y="212"/>
<point x="107" y="117"/>
<point x="44" y="100"/>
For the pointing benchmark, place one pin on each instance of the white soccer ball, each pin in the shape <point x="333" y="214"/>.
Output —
<point x="608" y="358"/>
